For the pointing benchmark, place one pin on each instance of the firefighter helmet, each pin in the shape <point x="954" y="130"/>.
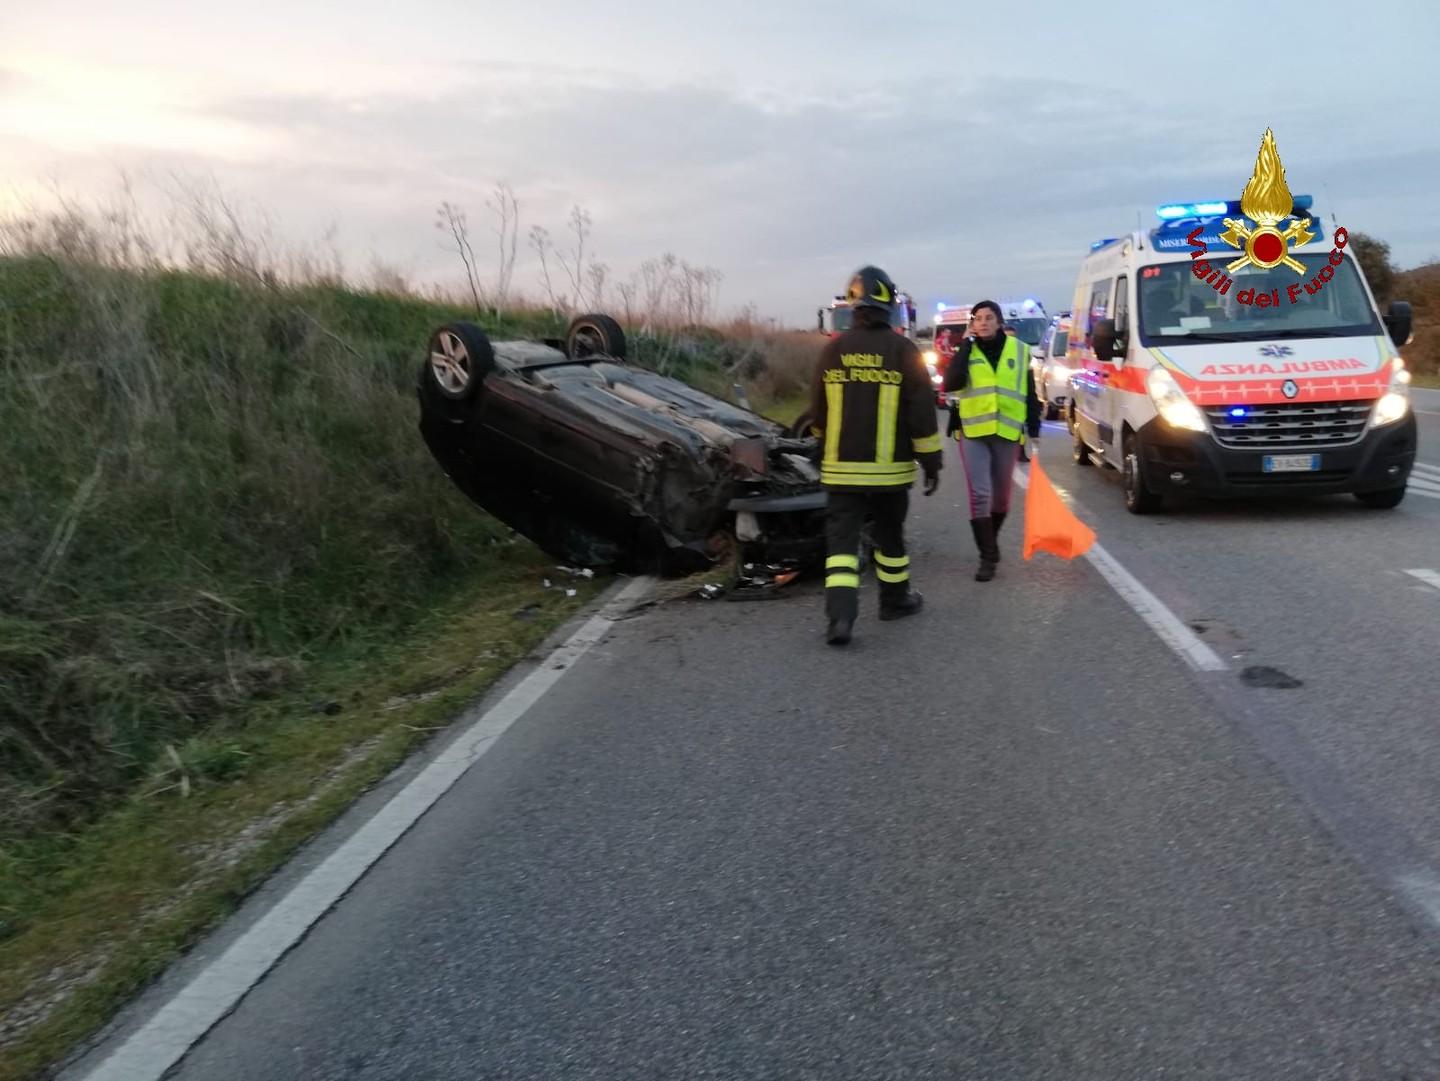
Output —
<point x="871" y="287"/>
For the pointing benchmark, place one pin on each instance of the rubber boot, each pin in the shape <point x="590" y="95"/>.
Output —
<point x="901" y="603"/>
<point x="842" y="605"/>
<point x="984" y="530"/>
<point x="997" y="519"/>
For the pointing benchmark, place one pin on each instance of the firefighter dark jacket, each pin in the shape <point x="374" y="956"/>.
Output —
<point x="874" y="408"/>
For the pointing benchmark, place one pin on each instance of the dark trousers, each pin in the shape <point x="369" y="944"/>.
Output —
<point x="846" y="515"/>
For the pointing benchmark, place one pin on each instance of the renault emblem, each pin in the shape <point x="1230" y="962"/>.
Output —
<point x="1289" y="389"/>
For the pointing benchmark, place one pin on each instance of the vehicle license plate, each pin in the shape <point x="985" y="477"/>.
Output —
<point x="1292" y="463"/>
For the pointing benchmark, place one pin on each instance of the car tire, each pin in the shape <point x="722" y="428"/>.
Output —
<point x="1382" y="500"/>
<point x="460" y="357"/>
<point x="1079" y="451"/>
<point x="800" y="429"/>
<point x="592" y="335"/>
<point x="1140" y="498"/>
<point x="1052" y="411"/>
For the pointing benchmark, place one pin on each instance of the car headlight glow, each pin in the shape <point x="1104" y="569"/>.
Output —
<point x="1395" y="402"/>
<point x="929" y="356"/>
<point x="1170" y="401"/>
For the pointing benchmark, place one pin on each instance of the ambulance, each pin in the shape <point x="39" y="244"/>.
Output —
<point x="1197" y="369"/>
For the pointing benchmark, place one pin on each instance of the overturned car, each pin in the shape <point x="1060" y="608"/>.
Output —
<point x="604" y="464"/>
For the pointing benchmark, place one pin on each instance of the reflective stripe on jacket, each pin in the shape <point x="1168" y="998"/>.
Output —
<point x="874" y="405"/>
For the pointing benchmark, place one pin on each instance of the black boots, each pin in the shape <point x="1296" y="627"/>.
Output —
<point x="997" y="520"/>
<point x="894" y="604"/>
<point x="901" y="605"/>
<point x="984" y="530"/>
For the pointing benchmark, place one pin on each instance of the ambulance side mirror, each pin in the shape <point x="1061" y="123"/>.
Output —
<point x="1399" y="323"/>
<point x="1102" y="339"/>
<point x="820" y="320"/>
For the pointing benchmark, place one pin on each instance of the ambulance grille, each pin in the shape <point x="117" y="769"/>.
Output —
<point x="1293" y="424"/>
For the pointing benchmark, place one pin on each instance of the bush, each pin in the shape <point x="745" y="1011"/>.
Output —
<point x="1421" y="287"/>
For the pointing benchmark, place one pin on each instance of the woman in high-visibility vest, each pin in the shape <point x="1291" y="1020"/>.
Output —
<point x="993" y="407"/>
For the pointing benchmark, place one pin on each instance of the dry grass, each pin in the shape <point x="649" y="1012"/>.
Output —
<point x="1421" y="287"/>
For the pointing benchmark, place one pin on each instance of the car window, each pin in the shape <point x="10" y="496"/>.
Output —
<point x="1099" y="305"/>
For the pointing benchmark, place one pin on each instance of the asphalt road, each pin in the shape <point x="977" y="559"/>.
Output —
<point x="1014" y="837"/>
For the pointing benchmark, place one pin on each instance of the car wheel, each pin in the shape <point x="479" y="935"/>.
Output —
<point x="1079" y="451"/>
<point x="1052" y="411"/>
<point x="460" y="359"/>
<point x="1139" y="497"/>
<point x="1382" y="500"/>
<point x="800" y="429"/>
<point x="591" y="335"/>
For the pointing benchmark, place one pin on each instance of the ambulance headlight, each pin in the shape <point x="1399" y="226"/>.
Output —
<point x="1395" y="402"/>
<point x="1177" y="410"/>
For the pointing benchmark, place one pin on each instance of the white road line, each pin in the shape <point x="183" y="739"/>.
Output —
<point x="1430" y="578"/>
<point x="1166" y="624"/>
<point x="165" y="1038"/>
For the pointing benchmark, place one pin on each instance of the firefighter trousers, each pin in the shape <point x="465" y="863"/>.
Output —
<point x="846" y="515"/>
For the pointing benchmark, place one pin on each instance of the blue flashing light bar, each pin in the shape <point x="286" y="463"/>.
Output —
<point x="1176" y="211"/>
<point x="1172" y="211"/>
<point x="1101" y="243"/>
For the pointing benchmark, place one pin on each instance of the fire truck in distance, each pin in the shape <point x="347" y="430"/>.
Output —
<point x="839" y="317"/>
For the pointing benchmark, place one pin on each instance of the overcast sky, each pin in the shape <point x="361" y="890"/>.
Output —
<point x="783" y="143"/>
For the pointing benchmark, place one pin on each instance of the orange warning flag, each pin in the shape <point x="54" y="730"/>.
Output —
<point x="1049" y="523"/>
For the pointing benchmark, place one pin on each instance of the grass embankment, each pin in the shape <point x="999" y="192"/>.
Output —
<point x="234" y="591"/>
<point x="217" y="514"/>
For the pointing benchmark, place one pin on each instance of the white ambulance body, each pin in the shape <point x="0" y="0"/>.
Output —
<point x="1224" y="383"/>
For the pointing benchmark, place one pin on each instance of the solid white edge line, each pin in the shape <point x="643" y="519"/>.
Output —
<point x="1430" y="578"/>
<point x="1166" y="624"/>
<point x="1152" y="610"/>
<point x="163" y="1040"/>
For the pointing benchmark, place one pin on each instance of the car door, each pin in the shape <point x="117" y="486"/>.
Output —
<point x="1116" y="385"/>
<point x="1040" y="359"/>
<point x="1091" y="407"/>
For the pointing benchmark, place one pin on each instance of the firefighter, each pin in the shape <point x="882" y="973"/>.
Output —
<point x="875" y="412"/>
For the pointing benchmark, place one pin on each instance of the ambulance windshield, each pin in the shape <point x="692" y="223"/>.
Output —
<point x="1028" y="331"/>
<point x="1176" y="306"/>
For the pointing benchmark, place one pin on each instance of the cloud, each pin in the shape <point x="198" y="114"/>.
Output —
<point x="961" y="187"/>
